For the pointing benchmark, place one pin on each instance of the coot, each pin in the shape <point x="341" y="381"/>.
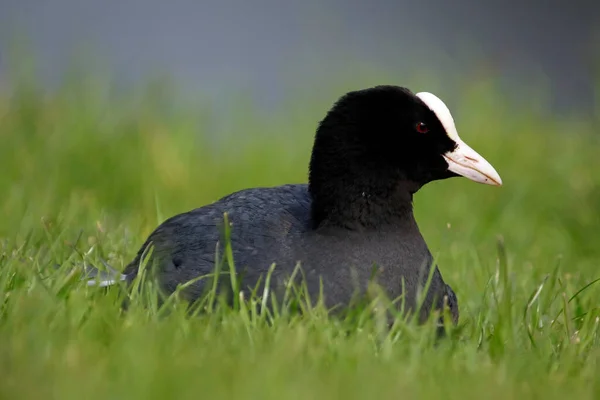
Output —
<point x="353" y="222"/>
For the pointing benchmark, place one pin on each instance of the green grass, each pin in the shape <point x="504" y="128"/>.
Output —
<point x="82" y="172"/>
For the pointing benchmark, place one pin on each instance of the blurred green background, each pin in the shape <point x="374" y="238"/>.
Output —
<point x="88" y="166"/>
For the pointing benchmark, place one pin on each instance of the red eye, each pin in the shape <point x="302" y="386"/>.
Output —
<point x="422" y="128"/>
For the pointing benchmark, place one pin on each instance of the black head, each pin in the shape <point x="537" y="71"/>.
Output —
<point x="378" y="146"/>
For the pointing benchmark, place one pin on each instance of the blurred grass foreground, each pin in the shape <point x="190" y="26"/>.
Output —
<point x="84" y="172"/>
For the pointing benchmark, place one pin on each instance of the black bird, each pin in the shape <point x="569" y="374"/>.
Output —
<point x="373" y="150"/>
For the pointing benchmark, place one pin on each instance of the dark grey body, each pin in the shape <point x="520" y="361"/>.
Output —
<point x="273" y="225"/>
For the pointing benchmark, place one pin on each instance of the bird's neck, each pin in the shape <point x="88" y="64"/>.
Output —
<point x="363" y="204"/>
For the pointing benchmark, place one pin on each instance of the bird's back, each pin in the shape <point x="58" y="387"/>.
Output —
<point x="265" y="223"/>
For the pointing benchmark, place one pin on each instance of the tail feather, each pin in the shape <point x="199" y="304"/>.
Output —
<point x="100" y="278"/>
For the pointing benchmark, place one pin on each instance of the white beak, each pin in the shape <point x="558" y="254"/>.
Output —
<point x="467" y="162"/>
<point x="463" y="160"/>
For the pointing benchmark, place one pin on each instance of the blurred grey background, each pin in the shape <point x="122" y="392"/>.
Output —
<point x="261" y="46"/>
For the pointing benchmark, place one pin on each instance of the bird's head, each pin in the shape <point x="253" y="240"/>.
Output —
<point x="380" y="142"/>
